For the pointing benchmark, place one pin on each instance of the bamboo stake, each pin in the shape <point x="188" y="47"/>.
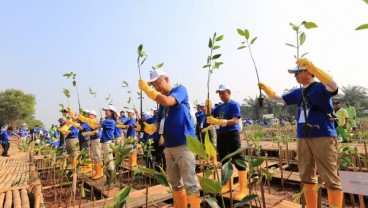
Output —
<point x="281" y="168"/>
<point x="25" y="199"/>
<point x="8" y="199"/>
<point x="17" y="202"/>
<point x="268" y="180"/>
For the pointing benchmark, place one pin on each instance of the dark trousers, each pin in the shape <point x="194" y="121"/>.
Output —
<point x="6" y="148"/>
<point x="62" y="140"/>
<point x="228" y="143"/>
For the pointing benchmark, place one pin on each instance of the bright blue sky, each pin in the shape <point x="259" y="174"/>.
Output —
<point x="41" y="40"/>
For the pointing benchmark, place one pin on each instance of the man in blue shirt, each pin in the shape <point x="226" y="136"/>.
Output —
<point x="174" y="122"/>
<point x="316" y="134"/>
<point x="4" y="138"/>
<point x="226" y="120"/>
<point x="23" y="132"/>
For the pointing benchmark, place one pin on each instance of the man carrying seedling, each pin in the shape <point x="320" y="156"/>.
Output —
<point x="226" y="120"/>
<point x="343" y="122"/>
<point x="71" y="139"/>
<point x="352" y="115"/>
<point x="316" y="134"/>
<point x="173" y="123"/>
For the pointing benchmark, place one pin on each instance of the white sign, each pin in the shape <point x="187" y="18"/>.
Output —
<point x="354" y="182"/>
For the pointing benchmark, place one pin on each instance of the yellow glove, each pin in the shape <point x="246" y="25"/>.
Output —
<point x="64" y="130"/>
<point x="88" y="133"/>
<point x="151" y="93"/>
<point x="161" y="141"/>
<point x="71" y="112"/>
<point x="269" y="92"/>
<point x="215" y="121"/>
<point x="75" y="124"/>
<point x="121" y="126"/>
<point x="148" y="128"/>
<point x="207" y="107"/>
<point x="93" y="123"/>
<point x="204" y="130"/>
<point x="323" y="76"/>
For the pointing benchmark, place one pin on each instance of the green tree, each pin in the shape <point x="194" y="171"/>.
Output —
<point x="250" y="108"/>
<point x="353" y="94"/>
<point x="32" y="122"/>
<point x="16" y="107"/>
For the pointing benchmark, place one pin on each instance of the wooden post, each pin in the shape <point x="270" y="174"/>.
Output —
<point x="361" y="199"/>
<point x="281" y="168"/>
<point x="268" y="181"/>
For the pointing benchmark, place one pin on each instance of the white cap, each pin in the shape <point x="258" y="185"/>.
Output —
<point x="201" y="104"/>
<point x="24" y="124"/>
<point x="296" y="68"/>
<point x="222" y="87"/>
<point x="130" y="111"/>
<point x="111" y="107"/>
<point x="155" y="74"/>
<point x="92" y="112"/>
<point x="86" y="111"/>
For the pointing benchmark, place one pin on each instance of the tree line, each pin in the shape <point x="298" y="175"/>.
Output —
<point x="16" y="108"/>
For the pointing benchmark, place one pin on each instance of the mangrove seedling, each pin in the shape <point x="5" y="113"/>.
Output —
<point x="212" y="64"/>
<point x="246" y="44"/>
<point x="73" y="75"/>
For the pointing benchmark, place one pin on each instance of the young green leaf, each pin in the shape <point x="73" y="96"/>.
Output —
<point x="234" y="153"/>
<point x="217" y="65"/>
<point x="362" y="27"/>
<point x="210" y="149"/>
<point x="212" y="202"/>
<point x="257" y="162"/>
<point x="215" y="47"/>
<point x="296" y="28"/>
<point x="253" y="40"/>
<point x="302" y="38"/>
<point x="241" y="47"/>
<point x="240" y="32"/>
<point x="226" y="172"/>
<point x="291" y="45"/>
<point x="196" y="147"/>
<point x="246" y="34"/>
<point x="304" y="54"/>
<point x="206" y="66"/>
<point x="140" y="47"/>
<point x="216" y="56"/>
<point x="220" y="38"/>
<point x="66" y="93"/>
<point x="74" y="83"/>
<point x="309" y="25"/>
<point x="209" y="185"/>
<point x="160" y="65"/>
<point x="161" y="179"/>
<point x="245" y="200"/>
<point x="210" y="44"/>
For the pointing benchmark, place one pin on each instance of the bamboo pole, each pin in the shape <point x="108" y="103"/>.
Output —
<point x="361" y="199"/>
<point x="25" y="199"/>
<point x="2" y="197"/>
<point x="267" y="179"/>
<point x="17" y="202"/>
<point x="281" y="168"/>
<point x="8" y="199"/>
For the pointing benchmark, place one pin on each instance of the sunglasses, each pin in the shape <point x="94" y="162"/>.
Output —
<point x="299" y="71"/>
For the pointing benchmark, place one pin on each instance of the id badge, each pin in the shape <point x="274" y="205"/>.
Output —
<point x="162" y="124"/>
<point x="302" y="117"/>
<point x="201" y="126"/>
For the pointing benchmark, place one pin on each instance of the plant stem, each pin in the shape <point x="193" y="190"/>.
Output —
<point x="209" y="79"/>
<point x="255" y="66"/>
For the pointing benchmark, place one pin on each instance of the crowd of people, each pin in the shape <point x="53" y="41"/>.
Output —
<point x="172" y="121"/>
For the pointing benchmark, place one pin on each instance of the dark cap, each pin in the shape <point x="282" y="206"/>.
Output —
<point x="64" y="111"/>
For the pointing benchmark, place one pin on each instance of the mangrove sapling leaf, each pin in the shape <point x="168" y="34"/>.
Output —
<point x="309" y="25"/>
<point x="161" y="179"/>
<point x="196" y="147"/>
<point x="66" y="93"/>
<point x="362" y="27"/>
<point x="145" y="171"/>
<point x="234" y="153"/>
<point x="253" y="40"/>
<point x="257" y="162"/>
<point x="241" y="47"/>
<point x="302" y="38"/>
<point x="208" y="172"/>
<point x="122" y="196"/>
<point x="246" y="34"/>
<point x="216" y="47"/>
<point x="212" y="202"/>
<point x="291" y="45"/>
<point x="226" y="172"/>
<point x="209" y="185"/>
<point x="241" y="163"/>
<point x="240" y="32"/>
<point x="245" y="200"/>
<point x="210" y="149"/>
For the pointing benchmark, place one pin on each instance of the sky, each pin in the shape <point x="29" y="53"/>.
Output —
<point x="42" y="40"/>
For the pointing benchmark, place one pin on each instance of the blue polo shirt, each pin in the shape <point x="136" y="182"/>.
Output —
<point x="108" y="130"/>
<point x="86" y="128"/>
<point x="23" y="132"/>
<point x="178" y="121"/>
<point x="98" y="135"/>
<point x="131" y="124"/>
<point x="319" y="104"/>
<point x="4" y="137"/>
<point x="73" y="133"/>
<point x="227" y="111"/>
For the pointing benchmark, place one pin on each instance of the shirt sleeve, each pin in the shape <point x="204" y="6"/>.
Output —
<point x="179" y="93"/>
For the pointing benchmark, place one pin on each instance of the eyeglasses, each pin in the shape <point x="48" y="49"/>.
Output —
<point x="298" y="72"/>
